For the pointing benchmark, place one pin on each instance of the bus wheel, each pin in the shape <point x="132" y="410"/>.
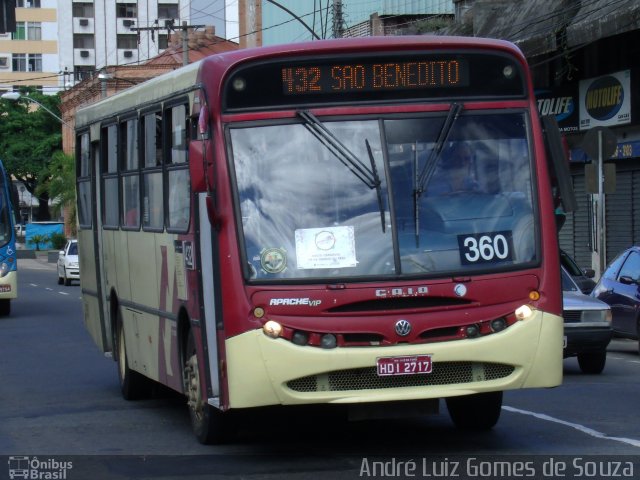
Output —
<point x="210" y="425"/>
<point x="5" y="307"/>
<point x="133" y="385"/>
<point x="480" y="411"/>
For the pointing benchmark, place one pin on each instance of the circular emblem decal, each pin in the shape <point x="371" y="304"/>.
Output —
<point x="604" y="98"/>
<point x="460" y="290"/>
<point x="403" y="328"/>
<point x="273" y="260"/>
<point x="325" y="240"/>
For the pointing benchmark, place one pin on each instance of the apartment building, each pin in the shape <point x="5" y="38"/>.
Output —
<point x="29" y="56"/>
<point x="96" y="33"/>
<point x="58" y="43"/>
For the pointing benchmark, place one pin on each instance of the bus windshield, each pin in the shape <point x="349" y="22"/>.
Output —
<point x="434" y="194"/>
<point x="6" y="234"/>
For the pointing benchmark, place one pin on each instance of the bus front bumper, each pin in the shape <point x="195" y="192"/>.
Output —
<point x="264" y="371"/>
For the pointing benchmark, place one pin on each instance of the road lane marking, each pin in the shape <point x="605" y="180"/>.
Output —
<point x="63" y="293"/>
<point x="624" y="359"/>
<point x="577" y="426"/>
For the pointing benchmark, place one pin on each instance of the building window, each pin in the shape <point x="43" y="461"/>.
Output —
<point x="129" y="42"/>
<point x="83" y="40"/>
<point x="83" y="72"/>
<point x="163" y="42"/>
<point x="27" y="31"/>
<point x="19" y="62"/>
<point x="28" y="3"/>
<point x="83" y="10"/>
<point x="34" y="62"/>
<point x="167" y="10"/>
<point x="126" y="10"/>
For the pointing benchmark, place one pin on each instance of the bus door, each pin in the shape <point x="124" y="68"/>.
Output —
<point x="89" y="241"/>
<point x="98" y="243"/>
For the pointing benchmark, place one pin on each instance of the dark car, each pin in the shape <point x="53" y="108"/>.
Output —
<point x="619" y="286"/>
<point x="587" y="327"/>
<point x="582" y="276"/>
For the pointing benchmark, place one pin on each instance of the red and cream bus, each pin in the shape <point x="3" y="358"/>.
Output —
<point x="287" y="225"/>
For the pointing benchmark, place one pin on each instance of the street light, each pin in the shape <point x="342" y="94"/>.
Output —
<point x="14" y="96"/>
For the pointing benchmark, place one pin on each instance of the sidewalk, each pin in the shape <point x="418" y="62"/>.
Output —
<point x="47" y="258"/>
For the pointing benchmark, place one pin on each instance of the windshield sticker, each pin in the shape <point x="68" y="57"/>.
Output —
<point x="273" y="260"/>
<point x="331" y="247"/>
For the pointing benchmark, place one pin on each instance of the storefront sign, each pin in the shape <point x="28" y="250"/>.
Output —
<point x="605" y="101"/>
<point x="561" y="102"/>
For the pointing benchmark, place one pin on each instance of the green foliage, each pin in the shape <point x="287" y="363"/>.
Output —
<point x="38" y="239"/>
<point x="29" y="136"/>
<point x="59" y="185"/>
<point x="58" y="240"/>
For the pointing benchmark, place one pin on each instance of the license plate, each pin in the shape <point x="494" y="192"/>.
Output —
<point x="414" y="365"/>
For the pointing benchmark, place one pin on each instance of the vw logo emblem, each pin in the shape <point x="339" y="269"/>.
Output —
<point x="403" y="328"/>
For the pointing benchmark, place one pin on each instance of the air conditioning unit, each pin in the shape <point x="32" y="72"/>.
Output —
<point x="84" y="53"/>
<point x="128" y="23"/>
<point x="4" y="62"/>
<point x="128" y="53"/>
<point x="84" y="22"/>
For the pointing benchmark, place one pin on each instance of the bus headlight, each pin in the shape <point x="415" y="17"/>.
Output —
<point x="523" y="312"/>
<point x="5" y="268"/>
<point x="272" y="329"/>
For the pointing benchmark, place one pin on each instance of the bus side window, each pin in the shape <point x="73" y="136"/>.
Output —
<point x="152" y="204"/>
<point x="179" y="192"/>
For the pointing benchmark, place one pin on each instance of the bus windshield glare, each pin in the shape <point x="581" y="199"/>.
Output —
<point x="437" y="194"/>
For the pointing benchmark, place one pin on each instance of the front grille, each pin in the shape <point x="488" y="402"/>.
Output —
<point x="571" y="316"/>
<point x="445" y="373"/>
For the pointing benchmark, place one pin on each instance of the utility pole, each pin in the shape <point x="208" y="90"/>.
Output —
<point x="169" y="26"/>
<point x="338" y="19"/>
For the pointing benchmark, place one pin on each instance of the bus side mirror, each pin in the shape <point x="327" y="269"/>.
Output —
<point x="558" y="163"/>
<point x="201" y="154"/>
<point x="197" y="149"/>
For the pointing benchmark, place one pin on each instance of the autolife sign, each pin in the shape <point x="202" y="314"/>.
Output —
<point x="605" y="101"/>
<point x="561" y="102"/>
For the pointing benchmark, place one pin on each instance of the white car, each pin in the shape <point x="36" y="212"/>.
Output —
<point x="587" y="326"/>
<point x="68" y="268"/>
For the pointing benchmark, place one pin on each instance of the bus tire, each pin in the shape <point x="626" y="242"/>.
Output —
<point x="133" y="385"/>
<point x="479" y="411"/>
<point x="5" y="307"/>
<point x="210" y="425"/>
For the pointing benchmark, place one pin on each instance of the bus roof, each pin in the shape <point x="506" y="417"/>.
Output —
<point x="216" y="66"/>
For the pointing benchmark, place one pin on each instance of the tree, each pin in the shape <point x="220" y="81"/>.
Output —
<point x="29" y="136"/>
<point x="58" y="183"/>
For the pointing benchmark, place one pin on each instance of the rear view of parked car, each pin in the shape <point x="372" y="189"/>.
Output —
<point x="68" y="268"/>
<point x="619" y="287"/>
<point x="587" y="327"/>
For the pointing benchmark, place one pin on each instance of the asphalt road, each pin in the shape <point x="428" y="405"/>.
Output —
<point x="60" y="402"/>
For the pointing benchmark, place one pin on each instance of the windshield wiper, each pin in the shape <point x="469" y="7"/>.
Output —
<point x="430" y="166"/>
<point x="374" y="171"/>
<point x="421" y="180"/>
<point x="368" y="175"/>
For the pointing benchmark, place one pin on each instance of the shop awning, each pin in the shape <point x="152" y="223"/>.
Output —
<point x="534" y="25"/>
<point x="598" y="19"/>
